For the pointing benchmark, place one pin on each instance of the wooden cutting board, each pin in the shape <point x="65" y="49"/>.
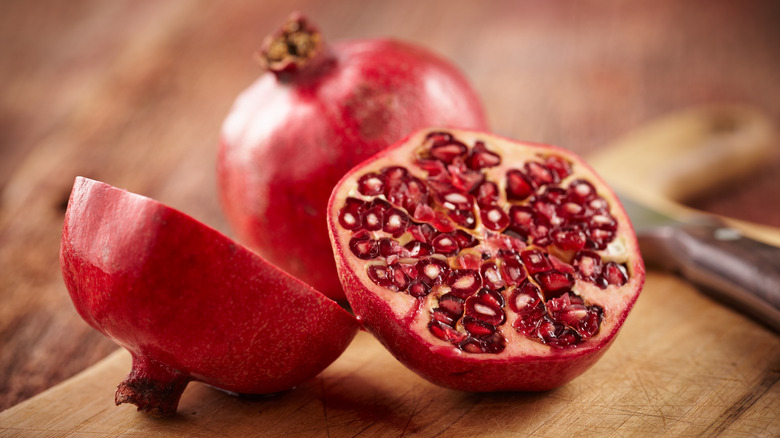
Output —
<point x="683" y="365"/>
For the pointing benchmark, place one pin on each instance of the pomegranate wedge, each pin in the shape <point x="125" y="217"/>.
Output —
<point x="482" y="263"/>
<point x="189" y="303"/>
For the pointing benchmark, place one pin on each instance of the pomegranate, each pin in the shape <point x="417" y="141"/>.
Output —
<point x="190" y="304"/>
<point x="485" y="264"/>
<point x="316" y="112"/>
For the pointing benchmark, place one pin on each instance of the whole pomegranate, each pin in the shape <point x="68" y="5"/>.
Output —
<point x="189" y="303"/>
<point x="316" y="112"/>
<point x="485" y="264"/>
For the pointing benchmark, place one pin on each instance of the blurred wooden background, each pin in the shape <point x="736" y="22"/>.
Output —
<point x="133" y="93"/>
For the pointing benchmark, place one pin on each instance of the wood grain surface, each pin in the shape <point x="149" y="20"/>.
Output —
<point x="133" y="93"/>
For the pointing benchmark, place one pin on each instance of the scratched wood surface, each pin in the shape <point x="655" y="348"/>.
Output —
<point x="134" y="92"/>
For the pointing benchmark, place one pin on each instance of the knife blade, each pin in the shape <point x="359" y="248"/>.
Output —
<point x="730" y="267"/>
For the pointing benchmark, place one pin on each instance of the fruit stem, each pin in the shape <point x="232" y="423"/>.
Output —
<point x="153" y="387"/>
<point x="296" y="47"/>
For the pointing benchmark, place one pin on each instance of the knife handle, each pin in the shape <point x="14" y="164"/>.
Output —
<point x="733" y="268"/>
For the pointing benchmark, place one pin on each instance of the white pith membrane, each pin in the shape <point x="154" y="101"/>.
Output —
<point x="603" y="302"/>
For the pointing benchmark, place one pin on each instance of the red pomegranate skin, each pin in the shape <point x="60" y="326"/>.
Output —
<point x="294" y="133"/>
<point x="188" y="303"/>
<point x="398" y="322"/>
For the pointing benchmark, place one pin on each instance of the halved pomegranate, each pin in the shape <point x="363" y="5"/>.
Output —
<point x="482" y="263"/>
<point x="189" y="303"/>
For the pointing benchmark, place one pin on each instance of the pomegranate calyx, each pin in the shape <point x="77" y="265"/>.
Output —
<point x="295" y="47"/>
<point x="153" y="387"/>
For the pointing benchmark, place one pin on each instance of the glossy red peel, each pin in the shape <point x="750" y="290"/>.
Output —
<point x="190" y="304"/>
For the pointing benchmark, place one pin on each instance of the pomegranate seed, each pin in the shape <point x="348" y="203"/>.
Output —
<point x="494" y="218"/>
<point x="399" y="277"/>
<point x="555" y="334"/>
<point x="438" y="138"/>
<point x="569" y="238"/>
<point x="469" y="260"/>
<point x="598" y="204"/>
<point x="572" y="211"/>
<point x="423" y="232"/>
<point x="423" y="213"/>
<point x="481" y="158"/>
<point x="525" y="298"/>
<point x="517" y="185"/>
<point x="463" y="178"/>
<point x="382" y="275"/>
<point x="476" y="327"/>
<point x="445" y="244"/>
<point x="418" y="289"/>
<point x="448" y="151"/>
<point x="451" y="305"/>
<point x="486" y="194"/>
<point x="492" y="344"/>
<point x="554" y="195"/>
<point x="599" y="239"/>
<point x="416" y="194"/>
<point x="522" y="220"/>
<point x="539" y="174"/>
<point x="371" y="184"/>
<point x="349" y="215"/>
<point x="512" y="269"/>
<point x="419" y="249"/>
<point x="433" y="271"/>
<point x="389" y="247"/>
<point x="464" y="239"/>
<point x="455" y="200"/>
<point x="464" y="282"/>
<point x="491" y="277"/>
<point x="559" y="166"/>
<point x="588" y="265"/>
<point x="445" y="332"/>
<point x="615" y="274"/>
<point x="394" y="175"/>
<point x="604" y="221"/>
<point x="363" y="247"/>
<point x="581" y="191"/>
<point x="433" y="167"/>
<point x="372" y="219"/>
<point x="589" y="326"/>
<point x="395" y="222"/>
<point x="554" y="283"/>
<point x="535" y="261"/>
<point x="464" y="218"/>
<point x="486" y="306"/>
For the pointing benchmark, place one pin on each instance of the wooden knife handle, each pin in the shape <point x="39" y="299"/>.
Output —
<point x="740" y="271"/>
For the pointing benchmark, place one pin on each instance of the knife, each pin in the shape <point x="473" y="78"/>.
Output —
<point x="727" y="265"/>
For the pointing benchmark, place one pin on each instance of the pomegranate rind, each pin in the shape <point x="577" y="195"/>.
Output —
<point x="290" y="137"/>
<point x="400" y="322"/>
<point x="189" y="302"/>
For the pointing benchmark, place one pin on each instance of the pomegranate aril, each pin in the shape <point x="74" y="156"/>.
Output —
<point x="364" y="247"/>
<point x="418" y="289"/>
<point x="443" y="223"/>
<point x="451" y="305"/>
<point x="615" y="274"/>
<point x="389" y="247"/>
<point x="455" y="200"/>
<point x="464" y="218"/>
<point x="486" y="306"/>
<point x="372" y="219"/>
<point x="491" y="276"/>
<point x="464" y="239"/>
<point x="396" y="222"/>
<point x="554" y="195"/>
<point x="349" y="216"/>
<point x="517" y="185"/>
<point x="463" y="178"/>
<point x="486" y="194"/>
<point x="512" y="269"/>
<point x="445" y="332"/>
<point x="399" y="277"/>
<point x="535" y="261"/>
<point x="445" y="244"/>
<point x="494" y="218"/>
<point x="559" y="166"/>
<point x="598" y="239"/>
<point x="423" y="232"/>
<point x="539" y="174"/>
<point x="556" y="334"/>
<point x="477" y="327"/>
<point x="522" y="220"/>
<point x="371" y="184"/>
<point x="481" y="158"/>
<point x="448" y="151"/>
<point x="464" y="282"/>
<point x="525" y="298"/>
<point x="443" y="317"/>
<point x="416" y="194"/>
<point x="589" y="326"/>
<point x="588" y="265"/>
<point x="492" y="344"/>
<point x="418" y="249"/>
<point x="438" y="137"/>
<point x="433" y="167"/>
<point x="569" y="238"/>
<point x="581" y="191"/>
<point x="433" y="271"/>
<point x="554" y="283"/>
<point x="381" y="275"/>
